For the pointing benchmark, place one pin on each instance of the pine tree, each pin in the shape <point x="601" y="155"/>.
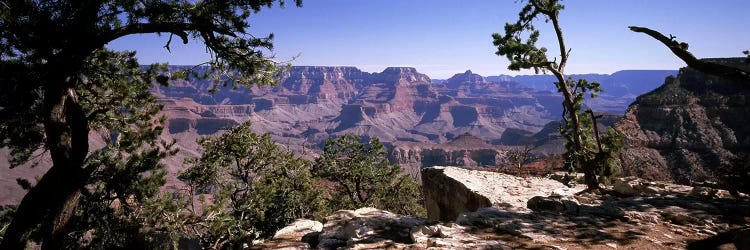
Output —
<point x="584" y="150"/>
<point x="363" y="177"/>
<point x="53" y="65"/>
<point x="257" y="188"/>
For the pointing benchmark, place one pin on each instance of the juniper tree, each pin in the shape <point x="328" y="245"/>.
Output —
<point x="123" y="113"/>
<point x="362" y="177"/>
<point x="257" y="188"/>
<point x="52" y="54"/>
<point x="584" y="151"/>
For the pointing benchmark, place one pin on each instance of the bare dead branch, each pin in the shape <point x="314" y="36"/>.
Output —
<point x="681" y="51"/>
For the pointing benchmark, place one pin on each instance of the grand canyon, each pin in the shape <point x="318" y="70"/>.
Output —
<point x="398" y="104"/>
<point x="374" y="125"/>
<point x="466" y="120"/>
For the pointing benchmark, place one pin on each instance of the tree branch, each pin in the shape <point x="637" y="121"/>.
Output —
<point x="561" y="43"/>
<point x="92" y="114"/>
<point x="680" y="50"/>
<point x="176" y="28"/>
<point x="552" y="14"/>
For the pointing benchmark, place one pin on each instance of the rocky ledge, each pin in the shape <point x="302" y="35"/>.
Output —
<point x="642" y="215"/>
<point x="450" y="191"/>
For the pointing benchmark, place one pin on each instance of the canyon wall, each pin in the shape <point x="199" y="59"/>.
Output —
<point x="694" y="128"/>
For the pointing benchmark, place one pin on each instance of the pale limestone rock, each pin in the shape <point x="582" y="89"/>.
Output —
<point x="370" y="228"/>
<point x="450" y="191"/>
<point x="634" y="186"/>
<point x="626" y="186"/>
<point x="669" y="206"/>
<point x="349" y="228"/>
<point x="678" y="215"/>
<point x="298" y="229"/>
<point x="711" y="193"/>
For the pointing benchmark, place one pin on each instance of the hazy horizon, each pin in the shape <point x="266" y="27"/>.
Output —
<point x="511" y="73"/>
<point x="441" y="38"/>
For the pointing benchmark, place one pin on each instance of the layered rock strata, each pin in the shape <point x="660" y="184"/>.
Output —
<point x="694" y="128"/>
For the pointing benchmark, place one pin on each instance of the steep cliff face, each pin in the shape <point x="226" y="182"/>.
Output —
<point x="467" y="80"/>
<point x="321" y="82"/>
<point x="398" y="104"/>
<point x="693" y="128"/>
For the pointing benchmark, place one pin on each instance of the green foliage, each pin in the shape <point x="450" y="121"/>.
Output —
<point x="257" y="188"/>
<point x="611" y="143"/>
<point x="363" y="177"/>
<point x="59" y="84"/>
<point x="525" y="54"/>
<point x="583" y="150"/>
<point x="127" y="173"/>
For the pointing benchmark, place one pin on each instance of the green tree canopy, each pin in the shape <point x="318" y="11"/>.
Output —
<point x="257" y="188"/>
<point x="363" y="177"/>
<point x="59" y="84"/>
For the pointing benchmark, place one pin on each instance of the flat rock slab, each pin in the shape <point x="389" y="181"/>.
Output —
<point x="450" y="191"/>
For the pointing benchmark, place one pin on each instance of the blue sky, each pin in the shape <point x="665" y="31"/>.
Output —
<point x="441" y="38"/>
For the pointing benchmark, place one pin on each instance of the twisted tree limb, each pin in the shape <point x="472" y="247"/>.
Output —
<point x="681" y="51"/>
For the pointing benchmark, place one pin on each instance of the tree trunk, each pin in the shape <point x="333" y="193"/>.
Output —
<point x="588" y="170"/>
<point x="53" y="200"/>
<point x="589" y="177"/>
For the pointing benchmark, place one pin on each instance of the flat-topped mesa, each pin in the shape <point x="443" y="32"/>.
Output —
<point x="324" y="82"/>
<point x="402" y="75"/>
<point x="325" y="72"/>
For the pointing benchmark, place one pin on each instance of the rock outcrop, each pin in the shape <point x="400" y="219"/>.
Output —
<point x="691" y="129"/>
<point x="370" y="228"/>
<point x="441" y="206"/>
<point x="450" y="191"/>
<point x="669" y="216"/>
